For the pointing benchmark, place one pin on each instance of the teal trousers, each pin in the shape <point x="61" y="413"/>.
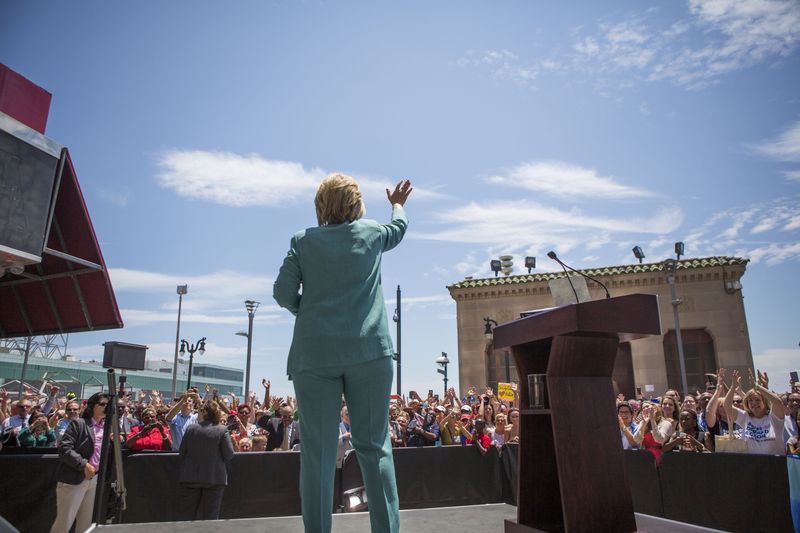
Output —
<point x="366" y="388"/>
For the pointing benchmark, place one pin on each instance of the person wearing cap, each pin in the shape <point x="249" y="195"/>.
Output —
<point x="331" y="281"/>
<point x="422" y="430"/>
<point x="464" y="427"/>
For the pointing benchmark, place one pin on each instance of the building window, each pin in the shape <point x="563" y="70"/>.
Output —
<point x="496" y="367"/>
<point x="699" y="356"/>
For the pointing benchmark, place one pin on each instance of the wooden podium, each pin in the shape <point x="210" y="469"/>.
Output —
<point x="572" y="474"/>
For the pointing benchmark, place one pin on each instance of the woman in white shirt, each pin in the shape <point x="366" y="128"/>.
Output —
<point x="499" y="432"/>
<point x="761" y="419"/>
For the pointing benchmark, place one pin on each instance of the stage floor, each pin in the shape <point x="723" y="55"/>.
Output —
<point x="479" y="518"/>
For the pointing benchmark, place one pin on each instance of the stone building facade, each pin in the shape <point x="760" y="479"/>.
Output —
<point x="712" y="318"/>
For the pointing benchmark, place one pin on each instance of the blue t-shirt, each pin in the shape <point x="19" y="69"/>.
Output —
<point x="178" y="427"/>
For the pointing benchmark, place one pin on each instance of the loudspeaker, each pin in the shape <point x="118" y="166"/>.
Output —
<point x="124" y="355"/>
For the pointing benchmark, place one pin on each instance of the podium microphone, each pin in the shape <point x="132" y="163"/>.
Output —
<point x="552" y="255"/>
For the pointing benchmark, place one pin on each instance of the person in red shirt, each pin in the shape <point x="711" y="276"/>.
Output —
<point x="479" y="437"/>
<point x="151" y="435"/>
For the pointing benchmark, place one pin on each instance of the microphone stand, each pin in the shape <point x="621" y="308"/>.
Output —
<point x="552" y="255"/>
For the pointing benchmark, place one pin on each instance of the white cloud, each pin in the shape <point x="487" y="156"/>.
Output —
<point x="511" y="223"/>
<point x="727" y="232"/>
<point x="237" y="180"/>
<point x="792" y="176"/>
<point x="213" y="298"/>
<point x="222" y="284"/>
<point x="505" y="65"/>
<point x="775" y="253"/>
<point x="785" y="148"/>
<point x="566" y="180"/>
<point x="714" y="38"/>
<point x="777" y="363"/>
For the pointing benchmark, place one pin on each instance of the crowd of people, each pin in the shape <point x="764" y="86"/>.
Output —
<point x="207" y="429"/>
<point x="763" y="421"/>
<point x="766" y="421"/>
<point x="148" y="422"/>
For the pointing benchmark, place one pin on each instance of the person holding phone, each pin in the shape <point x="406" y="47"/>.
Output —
<point x="150" y="435"/>
<point x="331" y="281"/>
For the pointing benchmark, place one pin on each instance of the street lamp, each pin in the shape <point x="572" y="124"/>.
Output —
<point x="670" y="266"/>
<point x="182" y="289"/>
<point x="487" y="328"/>
<point x="397" y="356"/>
<point x="251" y="306"/>
<point x="199" y="346"/>
<point x="443" y="361"/>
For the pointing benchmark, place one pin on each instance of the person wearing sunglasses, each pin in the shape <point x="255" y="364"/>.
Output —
<point x="71" y="412"/>
<point x="79" y="459"/>
<point x="16" y="422"/>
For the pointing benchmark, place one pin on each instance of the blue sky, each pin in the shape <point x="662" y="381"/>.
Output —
<point x="200" y="130"/>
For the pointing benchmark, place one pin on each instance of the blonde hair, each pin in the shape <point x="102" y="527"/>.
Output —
<point x="750" y="394"/>
<point x="338" y="200"/>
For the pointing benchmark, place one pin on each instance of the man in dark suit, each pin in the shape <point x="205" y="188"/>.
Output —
<point x="79" y="454"/>
<point x="279" y="438"/>
<point x="205" y="449"/>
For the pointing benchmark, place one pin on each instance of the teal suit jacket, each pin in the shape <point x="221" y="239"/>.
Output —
<point x="331" y="281"/>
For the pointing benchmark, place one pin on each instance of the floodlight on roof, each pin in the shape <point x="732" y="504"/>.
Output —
<point x="637" y="251"/>
<point x="679" y="249"/>
<point x="494" y="264"/>
<point x="530" y="263"/>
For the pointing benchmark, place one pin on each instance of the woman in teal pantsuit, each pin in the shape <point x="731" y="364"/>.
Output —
<point x="341" y="345"/>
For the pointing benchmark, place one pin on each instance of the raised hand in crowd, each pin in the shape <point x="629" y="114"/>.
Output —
<point x="763" y="379"/>
<point x="234" y="401"/>
<point x="275" y="404"/>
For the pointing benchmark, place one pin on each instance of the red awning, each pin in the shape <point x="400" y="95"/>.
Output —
<point x="69" y="291"/>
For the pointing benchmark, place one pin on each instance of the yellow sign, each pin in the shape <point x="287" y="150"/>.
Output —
<point x="505" y="392"/>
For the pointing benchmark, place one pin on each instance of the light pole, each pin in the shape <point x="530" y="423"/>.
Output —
<point x="443" y="361"/>
<point x="182" y="289"/>
<point x="199" y="346"/>
<point x="670" y="266"/>
<point x="251" y="306"/>
<point x="396" y="318"/>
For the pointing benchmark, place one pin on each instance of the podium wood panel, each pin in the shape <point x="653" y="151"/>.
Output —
<point x="572" y="474"/>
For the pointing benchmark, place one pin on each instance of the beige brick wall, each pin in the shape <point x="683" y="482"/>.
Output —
<point x="706" y="304"/>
